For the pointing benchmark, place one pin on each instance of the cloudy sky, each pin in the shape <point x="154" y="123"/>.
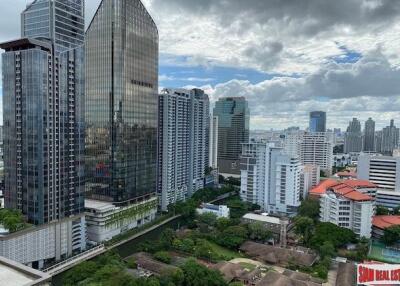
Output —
<point x="287" y="57"/>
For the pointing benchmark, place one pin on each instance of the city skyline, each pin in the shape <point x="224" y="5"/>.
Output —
<point x="287" y="75"/>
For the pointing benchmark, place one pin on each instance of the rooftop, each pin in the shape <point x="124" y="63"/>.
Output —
<point x="262" y="218"/>
<point x="17" y="274"/>
<point x="98" y="205"/>
<point x="385" y="221"/>
<point x="346" y="188"/>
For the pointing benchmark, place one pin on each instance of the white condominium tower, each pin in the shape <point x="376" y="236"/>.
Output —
<point x="183" y="149"/>
<point x="269" y="178"/>
<point x="313" y="148"/>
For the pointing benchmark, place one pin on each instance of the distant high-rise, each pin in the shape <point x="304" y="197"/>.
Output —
<point x="121" y="102"/>
<point x="214" y="142"/>
<point x="369" y="135"/>
<point x="233" y="130"/>
<point x="353" y="137"/>
<point x="390" y="138"/>
<point x="182" y="144"/>
<point x="317" y="121"/>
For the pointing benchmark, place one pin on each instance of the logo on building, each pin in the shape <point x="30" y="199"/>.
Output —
<point x="382" y="274"/>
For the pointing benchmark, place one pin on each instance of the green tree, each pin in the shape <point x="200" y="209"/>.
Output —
<point x="391" y="235"/>
<point x="232" y="237"/>
<point x="208" y="218"/>
<point x="304" y="226"/>
<point x="396" y="211"/>
<point x="163" y="256"/>
<point x="166" y="238"/>
<point x="79" y="273"/>
<point x="259" y="232"/>
<point x="309" y="208"/>
<point x="203" y="249"/>
<point x="380" y="210"/>
<point x="172" y="278"/>
<point x="223" y="223"/>
<point x="132" y="263"/>
<point x="199" y="275"/>
<point x="338" y="236"/>
<point x="327" y="249"/>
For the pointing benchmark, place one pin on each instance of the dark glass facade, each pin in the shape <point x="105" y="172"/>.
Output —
<point x="233" y="130"/>
<point x="59" y="20"/>
<point x="43" y="130"/>
<point x="317" y="121"/>
<point x="121" y="102"/>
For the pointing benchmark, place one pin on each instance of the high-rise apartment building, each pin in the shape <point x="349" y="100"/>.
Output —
<point x="214" y="142"/>
<point x="43" y="104"/>
<point x="309" y="178"/>
<point x="312" y="148"/>
<point x="353" y="138"/>
<point x="121" y="110"/>
<point x="369" y="136"/>
<point x="384" y="171"/>
<point x="182" y="149"/>
<point x="270" y="178"/>
<point x="390" y="138"/>
<point x="317" y="121"/>
<point x="233" y="130"/>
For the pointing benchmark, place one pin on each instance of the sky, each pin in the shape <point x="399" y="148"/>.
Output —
<point x="287" y="57"/>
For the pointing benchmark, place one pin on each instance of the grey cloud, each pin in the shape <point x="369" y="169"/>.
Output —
<point x="308" y="17"/>
<point x="266" y="53"/>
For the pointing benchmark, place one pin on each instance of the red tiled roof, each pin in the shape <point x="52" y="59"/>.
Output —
<point x="385" y="221"/>
<point x="360" y="184"/>
<point x="323" y="186"/>
<point x="347" y="188"/>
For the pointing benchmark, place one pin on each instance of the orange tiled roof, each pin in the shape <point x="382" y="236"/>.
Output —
<point x="360" y="184"/>
<point x="385" y="221"/>
<point x="323" y="186"/>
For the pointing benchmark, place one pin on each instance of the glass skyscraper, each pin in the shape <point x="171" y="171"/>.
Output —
<point x="43" y="104"/>
<point x="233" y="130"/>
<point x="60" y="20"/>
<point x="121" y="103"/>
<point x="317" y="121"/>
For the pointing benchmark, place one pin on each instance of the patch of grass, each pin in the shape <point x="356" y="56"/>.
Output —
<point x="225" y="253"/>
<point x="248" y="266"/>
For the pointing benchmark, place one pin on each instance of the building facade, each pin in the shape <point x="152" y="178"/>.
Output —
<point x="353" y="138"/>
<point x="348" y="208"/>
<point x="182" y="144"/>
<point x="43" y="114"/>
<point x="315" y="149"/>
<point x="233" y="129"/>
<point x="106" y="220"/>
<point x="384" y="171"/>
<point x="218" y="210"/>
<point x="121" y="103"/>
<point x="317" y="121"/>
<point x="214" y="142"/>
<point x="269" y="178"/>
<point x="369" y="136"/>
<point x="390" y="139"/>
<point x="309" y="178"/>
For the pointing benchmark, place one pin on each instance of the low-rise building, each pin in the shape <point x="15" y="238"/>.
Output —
<point x="37" y="245"/>
<point x="381" y="222"/>
<point x="219" y="211"/>
<point x="346" y="207"/>
<point x="106" y="220"/>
